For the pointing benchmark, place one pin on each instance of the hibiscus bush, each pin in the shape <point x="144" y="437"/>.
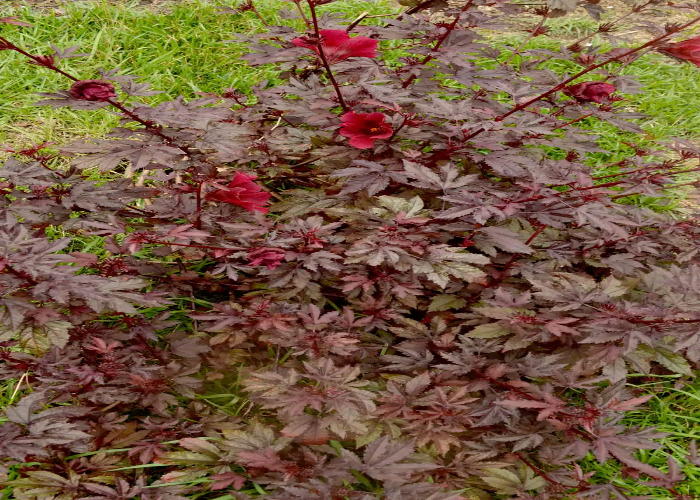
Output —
<point x="402" y="272"/>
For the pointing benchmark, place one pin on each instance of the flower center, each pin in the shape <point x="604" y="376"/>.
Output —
<point x="375" y="129"/>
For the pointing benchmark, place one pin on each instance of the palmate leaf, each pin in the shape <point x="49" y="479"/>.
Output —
<point x="488" y="331"/>
<point x="445" y="302"/>
<point x="138" y="153"/>
<point x="449" y="177"/>
<point x="410" y="208"/>
<point x="673" y="361"/>
<point x="384" y="460"/>
<point x="485" y="310"/>
<point x="444" y="263"/>
<point x="38" y="337"/>
<point x="503" y="238"/>
<point x="39" y="485"/>
<point x="179" y="114"/>
<point x="509" y="483"/>
<point x="369" y="175"/>
<point x="100" y="294"/>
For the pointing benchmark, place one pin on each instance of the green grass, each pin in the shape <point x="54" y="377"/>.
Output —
<point x="181" y="53"/>
<point x="675" y="411"/>
<point x="669" y="93"/>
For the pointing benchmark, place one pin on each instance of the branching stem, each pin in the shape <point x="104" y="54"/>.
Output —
<point x="563" y="84"/>
<point x="323" y="57"/>
<point x="440" y="41"/>
<point x="533" y="33"/>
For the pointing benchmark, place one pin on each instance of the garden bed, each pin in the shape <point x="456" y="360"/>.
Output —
<point x="388" y="296"/>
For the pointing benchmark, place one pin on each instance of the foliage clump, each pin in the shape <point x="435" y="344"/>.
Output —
<point x="411" y="269"/>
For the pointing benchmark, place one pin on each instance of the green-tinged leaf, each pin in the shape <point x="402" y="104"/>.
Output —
<point x="445" y="302"/>
<point x="476" y="494"/>
<point x="201" y="446"/>
<point x="369" y="437"/>
<point x="441" y="273"/>
<point x="410" y="207"/>
<point x="39" y="338"/>
<point x="503" y="312"/>
<point x="487" y="331"/>
<point x="613" y="287"/>
<point x="616" y="370"/>
<point x="503" y="481"/>
<point x="674" y="362"/>
<point x="534" y="483"/>
<point x="187" y="458"/>
<point x="184" y="476"/>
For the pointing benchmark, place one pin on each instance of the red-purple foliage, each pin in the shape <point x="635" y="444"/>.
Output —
<point x="445" y="307"/>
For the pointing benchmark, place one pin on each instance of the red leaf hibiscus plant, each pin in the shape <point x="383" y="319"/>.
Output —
<point x="423" y="289"/>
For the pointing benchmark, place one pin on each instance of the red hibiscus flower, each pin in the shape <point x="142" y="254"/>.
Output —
<point x="268" y="257"/>
<point x="687" y="50"/>
<point x="241" y="191"/>
<point x="338" y="46"/>
<point x="92" y="90"/>
<point x="364" y="128"/>
<point x="590" y="91"/>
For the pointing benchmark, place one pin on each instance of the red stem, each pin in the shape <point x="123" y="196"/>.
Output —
<point x="530" y="35"/>
<point x="323" y="57"/>
<point x="573" y="121"/>
<point x="23" y="275"/>
<point x="301" y="12"/>
<point x="563" y="84"/>
<point x="148" y="125"/>
<point x="662" y="321"/>
<point x="537" y="471"/>
<point x="594" y="67"/>
<point x="638" y="233"/>
<point x="198" y="223"/>
<point x="609" y="25"/>
<point x="252" y="7"/>
<point x="440" y="41"/>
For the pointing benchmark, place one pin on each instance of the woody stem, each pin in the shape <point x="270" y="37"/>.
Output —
<point x="149" y="126"/>
<point x="563" y="84"/>
<point x="323" y="57"/>
<point x="530" y="36"/>
<point x="440" y="41"/>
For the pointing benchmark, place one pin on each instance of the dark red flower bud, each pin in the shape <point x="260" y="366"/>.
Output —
<point x="586" y="59"/>
<point x="687" y="50"/>
<point x="92" y="90"/>
<point x="46" y="61"/>
<point x="590" y="91"/>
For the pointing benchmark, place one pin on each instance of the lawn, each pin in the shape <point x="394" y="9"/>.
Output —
<point x="180" y="51"/>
